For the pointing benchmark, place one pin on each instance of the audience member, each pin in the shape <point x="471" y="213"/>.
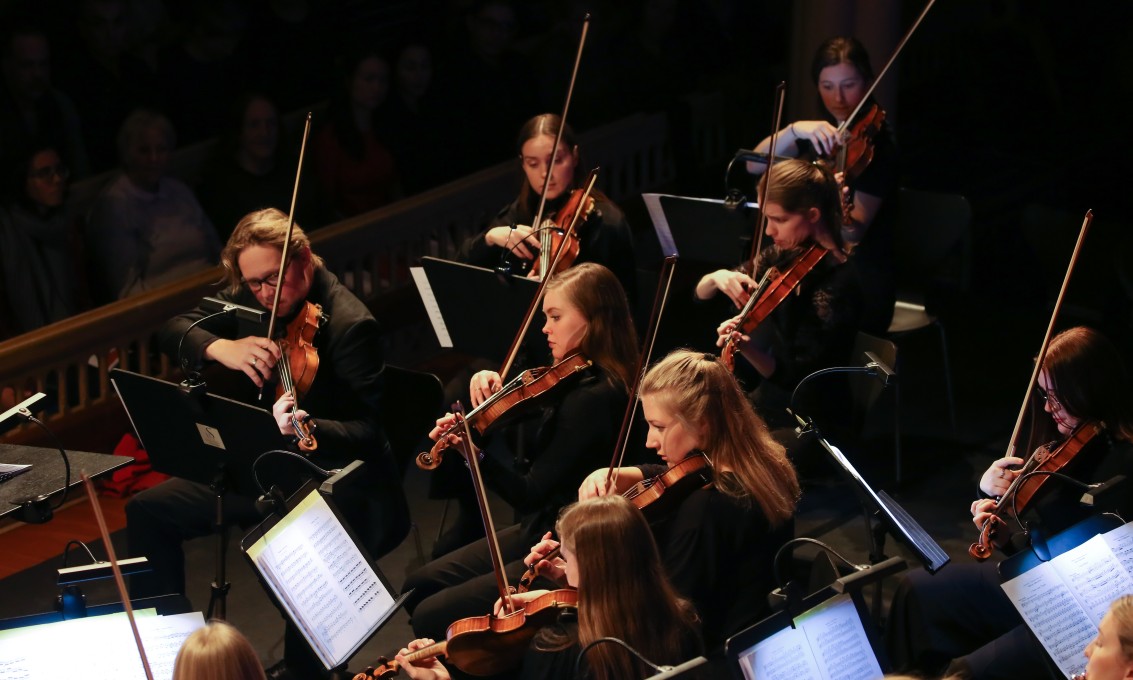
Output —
<point x="105" y="81"/>
<point x="217" y="652"/>
<point x="202" y="74"/>
<point x="410" y="118"/>
<point x="30" y="107"/>
<point x="147" y="228"/>
<point x="355" y="170"/>
<point x="248" y="171"/>
<point x="40" y="262"/>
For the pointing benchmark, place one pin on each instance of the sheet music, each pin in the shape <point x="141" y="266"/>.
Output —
<point x="431" y="307"/>
<point x="828" y="643"/>
<point x="1064" y="600"/>
<point x="329" y="588"/>
<point x="1120" y="541"/>
<point x="96" y="647"/>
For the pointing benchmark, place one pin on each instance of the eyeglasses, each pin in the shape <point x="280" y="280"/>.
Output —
<point x="1055" y="404"/>
<point x="256" y="284"/>
<point x="50" y="171"/>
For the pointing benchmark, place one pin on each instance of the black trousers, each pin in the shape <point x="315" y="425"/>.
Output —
<point x="462" y="583"/>
<point x="961" y="619"/>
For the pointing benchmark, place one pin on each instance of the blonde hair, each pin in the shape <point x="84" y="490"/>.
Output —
<point x="624" y="593"/>
<point x="217" y="652"/>
<point x="267" y="228"/>
<point x="1122" y="612"/>
<point x="610" y="340"/>
<point x="703" y="395"/>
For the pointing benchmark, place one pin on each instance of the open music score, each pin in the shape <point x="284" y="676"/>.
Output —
<point x="96" y="647"/>
<point x="827" y="641"/>
<point x="1063" y="600"/>
<point x="323" y="581"/>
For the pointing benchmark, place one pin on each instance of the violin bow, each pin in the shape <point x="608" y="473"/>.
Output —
<point x="776" y="121"/>
<point x="665" y="281"/>
<point x="118" y="580"/>
<point x="537" y="223"/>
<point x="893" y="57"/>
<point x="473" y="457"/>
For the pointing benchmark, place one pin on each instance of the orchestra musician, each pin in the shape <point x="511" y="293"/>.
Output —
<point x="510" y="239"/>
<point x="344" y="400"/>
<point x="577" y="426"/>
<point x="961" y="615"/>
<point x="217" y="651"/>
<point x="718" y="545"/>
<point x="622" y="593"/>
<point x="1110" y="653"/>
<point x="815" y="326"/>
<point x="842" y="74"/>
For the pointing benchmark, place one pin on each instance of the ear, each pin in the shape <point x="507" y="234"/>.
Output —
<point x="813" y="215"/>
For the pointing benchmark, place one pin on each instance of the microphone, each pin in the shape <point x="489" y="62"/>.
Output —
<point x="214" y="305"/>
<point x="865" y="574"/>
<point x="880" y="370"/>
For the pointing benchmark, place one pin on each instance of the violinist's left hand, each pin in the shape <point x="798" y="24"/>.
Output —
<point x="728" y="330"/>
<point x="282" y="412"/>
<point x="483" y="385"/>
<point x="422" y="669"/>
<point x="520" y="600"/>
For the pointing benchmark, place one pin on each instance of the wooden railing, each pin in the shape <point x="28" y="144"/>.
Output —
<point x="371" y="253"/>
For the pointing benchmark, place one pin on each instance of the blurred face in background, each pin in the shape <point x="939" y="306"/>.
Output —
<point x="259" y="134"/>
<point x="370" y="84"/>
<point x="414" y="71"/>
<point x="47" y="179"/>
<point x="27" y="67"/>
<point x="147" y="157"/>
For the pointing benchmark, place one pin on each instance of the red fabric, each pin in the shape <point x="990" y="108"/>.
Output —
<point x="135" y="477"/>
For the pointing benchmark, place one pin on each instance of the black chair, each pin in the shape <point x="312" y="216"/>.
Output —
<point x="413" y="400"/>
<point x="865" y="392"/>
<point x="932" y="232"/>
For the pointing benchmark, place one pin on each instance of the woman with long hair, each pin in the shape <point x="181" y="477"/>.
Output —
<point x="622" y="593"/>
<point x="512" y="242"/>
<point x="575" y="430"/>
<point x="718" y="544"/>
<point x="960" y="617"/>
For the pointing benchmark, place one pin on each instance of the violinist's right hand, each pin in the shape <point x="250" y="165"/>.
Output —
<point x="822" y="135"/>
<point x="483" y="385"/>
<point x="520" y="601"/>
<point x="253" y="356"/>
<point x="552" y="569"/>
<point x="521" y="240"/>
<point x="595" y="483"/>
<point x="736" y="285"/>
<point x="999" y="476"/>
<point x="422" y="669"/>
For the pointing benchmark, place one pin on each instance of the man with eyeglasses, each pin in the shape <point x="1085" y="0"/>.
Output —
<point x="345" y="401"/>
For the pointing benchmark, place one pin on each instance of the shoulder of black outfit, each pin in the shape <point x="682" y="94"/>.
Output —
<point x="554" y="651"/>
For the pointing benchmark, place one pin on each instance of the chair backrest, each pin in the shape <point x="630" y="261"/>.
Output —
<point x="865" y="391"/>
<point x="412" y="401"/>
<point x="932" y="230"/>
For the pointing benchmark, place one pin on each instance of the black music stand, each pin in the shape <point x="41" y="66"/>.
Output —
<point x="310" y="530"/>
<point x="474" y="310"/>
<point x="707" y="233"/>
<point x="203" y="438"/>
<point x="857" y="644"/>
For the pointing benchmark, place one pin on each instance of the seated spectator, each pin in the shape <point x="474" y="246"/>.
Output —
<point x="105" y="81"/>
<point x="30" y="107"/>
<point x="217" y="652"/>
<point x="146" y="228"/>
<point x="410" y="119"/>
<point x="202" y="74"/>
<point x="249" y="172"/>
<point x="355" y="170"/>
<point x="40" y="250"/>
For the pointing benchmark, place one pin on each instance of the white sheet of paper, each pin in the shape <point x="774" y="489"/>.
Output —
<point x="432" y="309"/>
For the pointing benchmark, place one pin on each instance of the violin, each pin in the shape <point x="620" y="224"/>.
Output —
<point x="553" y="235"/>
<point x="659" y="495"/>
<point x="1046" y="458"/>
<point x="773" y="289"/>
<point x="855" y="152"/>
<point x="518" y="396"/>
<point x="487" y="645"/>
<point x="298" y="364"/>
